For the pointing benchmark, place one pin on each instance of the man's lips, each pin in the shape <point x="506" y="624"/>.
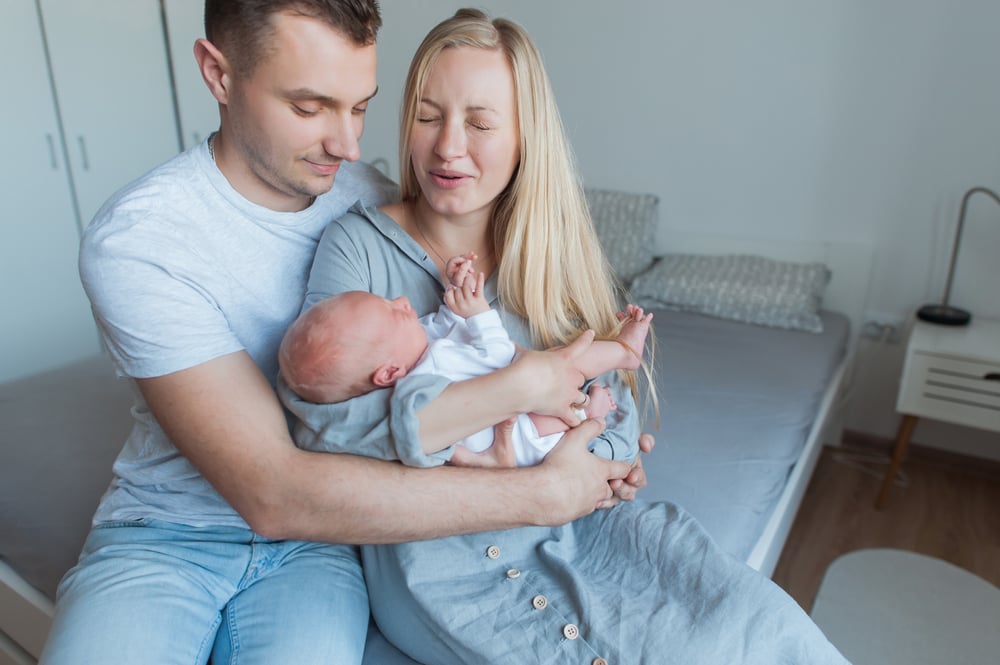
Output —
<point x="323" y="168"/>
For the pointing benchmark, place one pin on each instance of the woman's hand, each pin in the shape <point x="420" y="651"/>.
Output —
<point x="549" y="381"/>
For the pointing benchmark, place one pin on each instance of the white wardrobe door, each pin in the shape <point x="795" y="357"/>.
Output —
<point x="46" y="319"/>
<point x="109" y="63"/>
<point x="199" y="112"/>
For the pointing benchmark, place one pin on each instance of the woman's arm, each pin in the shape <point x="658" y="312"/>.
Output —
<point x="545" y="382"/>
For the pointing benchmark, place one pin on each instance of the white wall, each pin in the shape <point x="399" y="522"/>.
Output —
<point x="833" y="119"/>
<point x="840" y="119"/>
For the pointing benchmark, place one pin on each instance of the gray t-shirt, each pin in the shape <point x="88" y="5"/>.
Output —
<point x="180" y="269"/>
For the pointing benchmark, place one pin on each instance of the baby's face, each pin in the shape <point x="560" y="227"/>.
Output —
<point x="404" y="337"/>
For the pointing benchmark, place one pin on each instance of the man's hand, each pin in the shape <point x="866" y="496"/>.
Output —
<point x="626" y="488"/>
<point x="579" y="481"/>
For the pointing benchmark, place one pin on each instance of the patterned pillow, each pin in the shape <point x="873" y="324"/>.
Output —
<point x="626" y="227"/>
<point x="752" y="289"/>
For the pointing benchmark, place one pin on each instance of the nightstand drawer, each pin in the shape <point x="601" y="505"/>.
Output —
<point x="951" y="390"/>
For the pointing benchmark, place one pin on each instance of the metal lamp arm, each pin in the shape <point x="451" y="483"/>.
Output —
<point x="958" y="234"/>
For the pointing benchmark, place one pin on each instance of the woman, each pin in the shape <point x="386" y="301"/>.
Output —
<point x="487" y="169"/>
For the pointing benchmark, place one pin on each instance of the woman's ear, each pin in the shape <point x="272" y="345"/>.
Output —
<point x="387" y="374"/>
<point x="215" y="69"/>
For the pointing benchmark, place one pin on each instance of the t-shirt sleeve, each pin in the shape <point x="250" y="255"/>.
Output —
<point x="147" y="300"/>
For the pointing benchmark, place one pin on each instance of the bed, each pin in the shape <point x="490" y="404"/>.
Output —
<point x="744" y="409"/>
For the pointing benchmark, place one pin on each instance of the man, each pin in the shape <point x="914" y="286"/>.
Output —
<point x="213" y="538"/>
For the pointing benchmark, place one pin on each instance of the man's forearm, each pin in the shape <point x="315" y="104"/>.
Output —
<point x="343" y="498"/>
<point x="349" y="499"/>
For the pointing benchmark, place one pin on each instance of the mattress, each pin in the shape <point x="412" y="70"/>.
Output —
<point x="59" y="434"/>
<point x="737" y="402"/>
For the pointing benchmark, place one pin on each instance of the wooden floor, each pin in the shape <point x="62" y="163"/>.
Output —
<point x="950" y="510"/>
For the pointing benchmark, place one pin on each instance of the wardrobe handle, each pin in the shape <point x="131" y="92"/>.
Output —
<point x="52" y="151"/>
<point x="83" y="153"/>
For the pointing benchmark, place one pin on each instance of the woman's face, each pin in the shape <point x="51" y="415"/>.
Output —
<point x="465" y="142"/>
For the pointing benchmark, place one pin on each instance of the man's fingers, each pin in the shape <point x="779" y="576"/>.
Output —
<point x="585" y="431"/>
<point x="646" y="442"/>
<point x="636" y="478"/>
<point x="619" y="471"/>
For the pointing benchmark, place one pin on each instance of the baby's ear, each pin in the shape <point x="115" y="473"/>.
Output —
<point x="387" y="374"/>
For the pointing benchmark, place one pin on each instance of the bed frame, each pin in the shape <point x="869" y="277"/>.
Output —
<point x="25" y="617"/>
<point x="26" y="613"/>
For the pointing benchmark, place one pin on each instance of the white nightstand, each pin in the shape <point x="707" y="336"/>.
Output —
<point x="950" y="374"/>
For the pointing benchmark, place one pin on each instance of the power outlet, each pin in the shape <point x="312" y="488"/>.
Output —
<point x="883" y="328"/>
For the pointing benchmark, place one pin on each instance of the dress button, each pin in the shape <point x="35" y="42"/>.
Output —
<point x="599" y="661"/>
<point x="493" y="552"/>
<point x="539" y="602"/>
<point x="571" y="632"/>
<point x="513" y="574"/>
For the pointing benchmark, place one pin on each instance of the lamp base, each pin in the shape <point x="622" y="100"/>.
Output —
<point x="944" y="315"/>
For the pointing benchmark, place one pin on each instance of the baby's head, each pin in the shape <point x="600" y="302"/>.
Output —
<point x="350" y="344"/>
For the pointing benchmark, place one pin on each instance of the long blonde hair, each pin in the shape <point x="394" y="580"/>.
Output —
<point x="552" y="270"/>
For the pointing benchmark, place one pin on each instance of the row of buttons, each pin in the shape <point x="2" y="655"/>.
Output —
<point x="540" y="602"/>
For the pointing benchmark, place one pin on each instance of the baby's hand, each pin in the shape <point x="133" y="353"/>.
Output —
<point x="459" y="268"/>
<point x="468" y="299"/>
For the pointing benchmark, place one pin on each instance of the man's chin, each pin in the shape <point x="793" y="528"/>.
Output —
<point x="315" y="185"/>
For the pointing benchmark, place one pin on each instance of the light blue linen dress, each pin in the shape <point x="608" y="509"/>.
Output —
<point x="640" y="583"/>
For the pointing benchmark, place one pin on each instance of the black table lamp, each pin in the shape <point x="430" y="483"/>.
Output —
<point x="943" y="313"/>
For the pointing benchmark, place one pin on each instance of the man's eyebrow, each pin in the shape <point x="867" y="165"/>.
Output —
<point x="308" y="94"/>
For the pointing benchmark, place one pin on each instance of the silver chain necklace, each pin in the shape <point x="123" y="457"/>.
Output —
<point x="420" y="229"/>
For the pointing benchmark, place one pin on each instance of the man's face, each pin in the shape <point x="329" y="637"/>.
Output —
<point x="299" y="115"/>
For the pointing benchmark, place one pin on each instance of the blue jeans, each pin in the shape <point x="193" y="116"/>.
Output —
<point x="154" y="592"/>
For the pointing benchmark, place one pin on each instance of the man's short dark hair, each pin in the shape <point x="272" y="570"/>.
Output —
<point x="242" y="29"/>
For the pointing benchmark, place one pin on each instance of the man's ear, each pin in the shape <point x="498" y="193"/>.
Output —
<point x="387" y="374"/>
<point x="215" y="69"/>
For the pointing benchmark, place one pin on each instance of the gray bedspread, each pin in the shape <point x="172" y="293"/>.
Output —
<point x="736" y="404"/>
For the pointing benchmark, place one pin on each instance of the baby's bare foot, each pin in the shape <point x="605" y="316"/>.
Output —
<point x="633" y="333"/>
<point x="601" y="403"/>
